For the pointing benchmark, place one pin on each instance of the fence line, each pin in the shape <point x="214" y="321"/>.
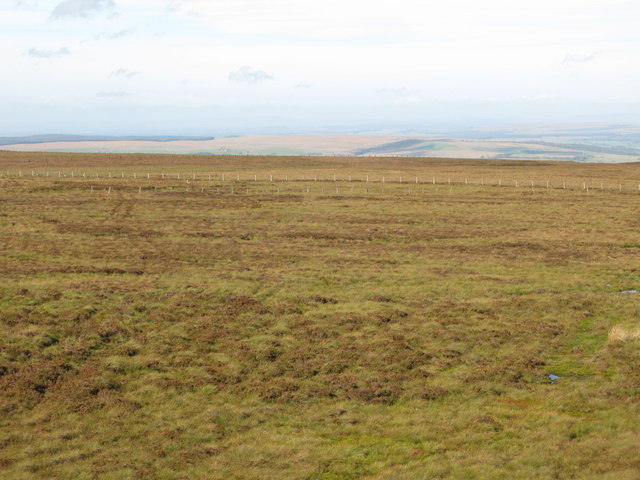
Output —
<point x="320" y="190"/>
<point x="286" y="178"/>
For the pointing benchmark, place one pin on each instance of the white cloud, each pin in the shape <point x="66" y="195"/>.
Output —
<point x="118" y="93"/>
<point x="248" y="75"/>
<point x="26" y="3"/>
<point x="37" y="53"/>
<point x="407" y="99"/>
<point x="80" y="8"/>
<point x="120" y="33"/>
<point x="579" y="58"/>
<point x="124" y="72"/>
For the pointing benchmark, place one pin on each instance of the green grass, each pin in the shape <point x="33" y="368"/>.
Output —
<point x="189" y="334"/>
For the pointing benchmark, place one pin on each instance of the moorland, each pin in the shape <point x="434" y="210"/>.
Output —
<point x="198" y="317"/>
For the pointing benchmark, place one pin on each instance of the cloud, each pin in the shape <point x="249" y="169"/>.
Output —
<point x="36" y="53"/>
<point x="113" y="35"/>
<point x="394" y="91"/>
<point x="118" y="93"/>
<point x="80" y="8"/>
<point x="303" y="85"/>
<point x="407" y="99"/>
<point x="506" y="99"/>
<point x="120" y="33"/>
<point x="247" y="75"/>
<point x="579" y="58"/>
<point x="26" y="3"/>
<point x="124" y="72"/>
<point x="401" y="95"/>
<point x="173" y="6"/>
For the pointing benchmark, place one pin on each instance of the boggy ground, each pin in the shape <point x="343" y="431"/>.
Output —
<point x="396" y="335"/>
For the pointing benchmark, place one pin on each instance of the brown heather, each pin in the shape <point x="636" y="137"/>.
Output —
<point x="185" y="332"/>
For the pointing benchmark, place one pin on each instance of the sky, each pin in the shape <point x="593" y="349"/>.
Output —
<point x="235" y="67"/>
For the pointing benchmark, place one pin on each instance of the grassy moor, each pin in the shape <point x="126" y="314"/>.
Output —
<point x="318" y="318"/>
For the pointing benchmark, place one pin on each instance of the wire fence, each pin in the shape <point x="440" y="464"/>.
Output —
<point x="363" y="181"/>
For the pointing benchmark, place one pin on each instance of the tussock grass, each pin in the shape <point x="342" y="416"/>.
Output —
<point x="618" y="333"/>
<point x="195" y="335"/>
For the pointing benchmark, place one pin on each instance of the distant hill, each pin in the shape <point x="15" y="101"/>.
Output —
<point x="589" y="143"/>
<point x="31" y="139"/>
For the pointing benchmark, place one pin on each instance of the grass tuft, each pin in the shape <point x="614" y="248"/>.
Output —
<point x="618" y="333"/>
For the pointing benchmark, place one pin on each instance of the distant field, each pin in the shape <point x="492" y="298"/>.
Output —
<point x="544" y="148"/>
<point x="278" y="324"/>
